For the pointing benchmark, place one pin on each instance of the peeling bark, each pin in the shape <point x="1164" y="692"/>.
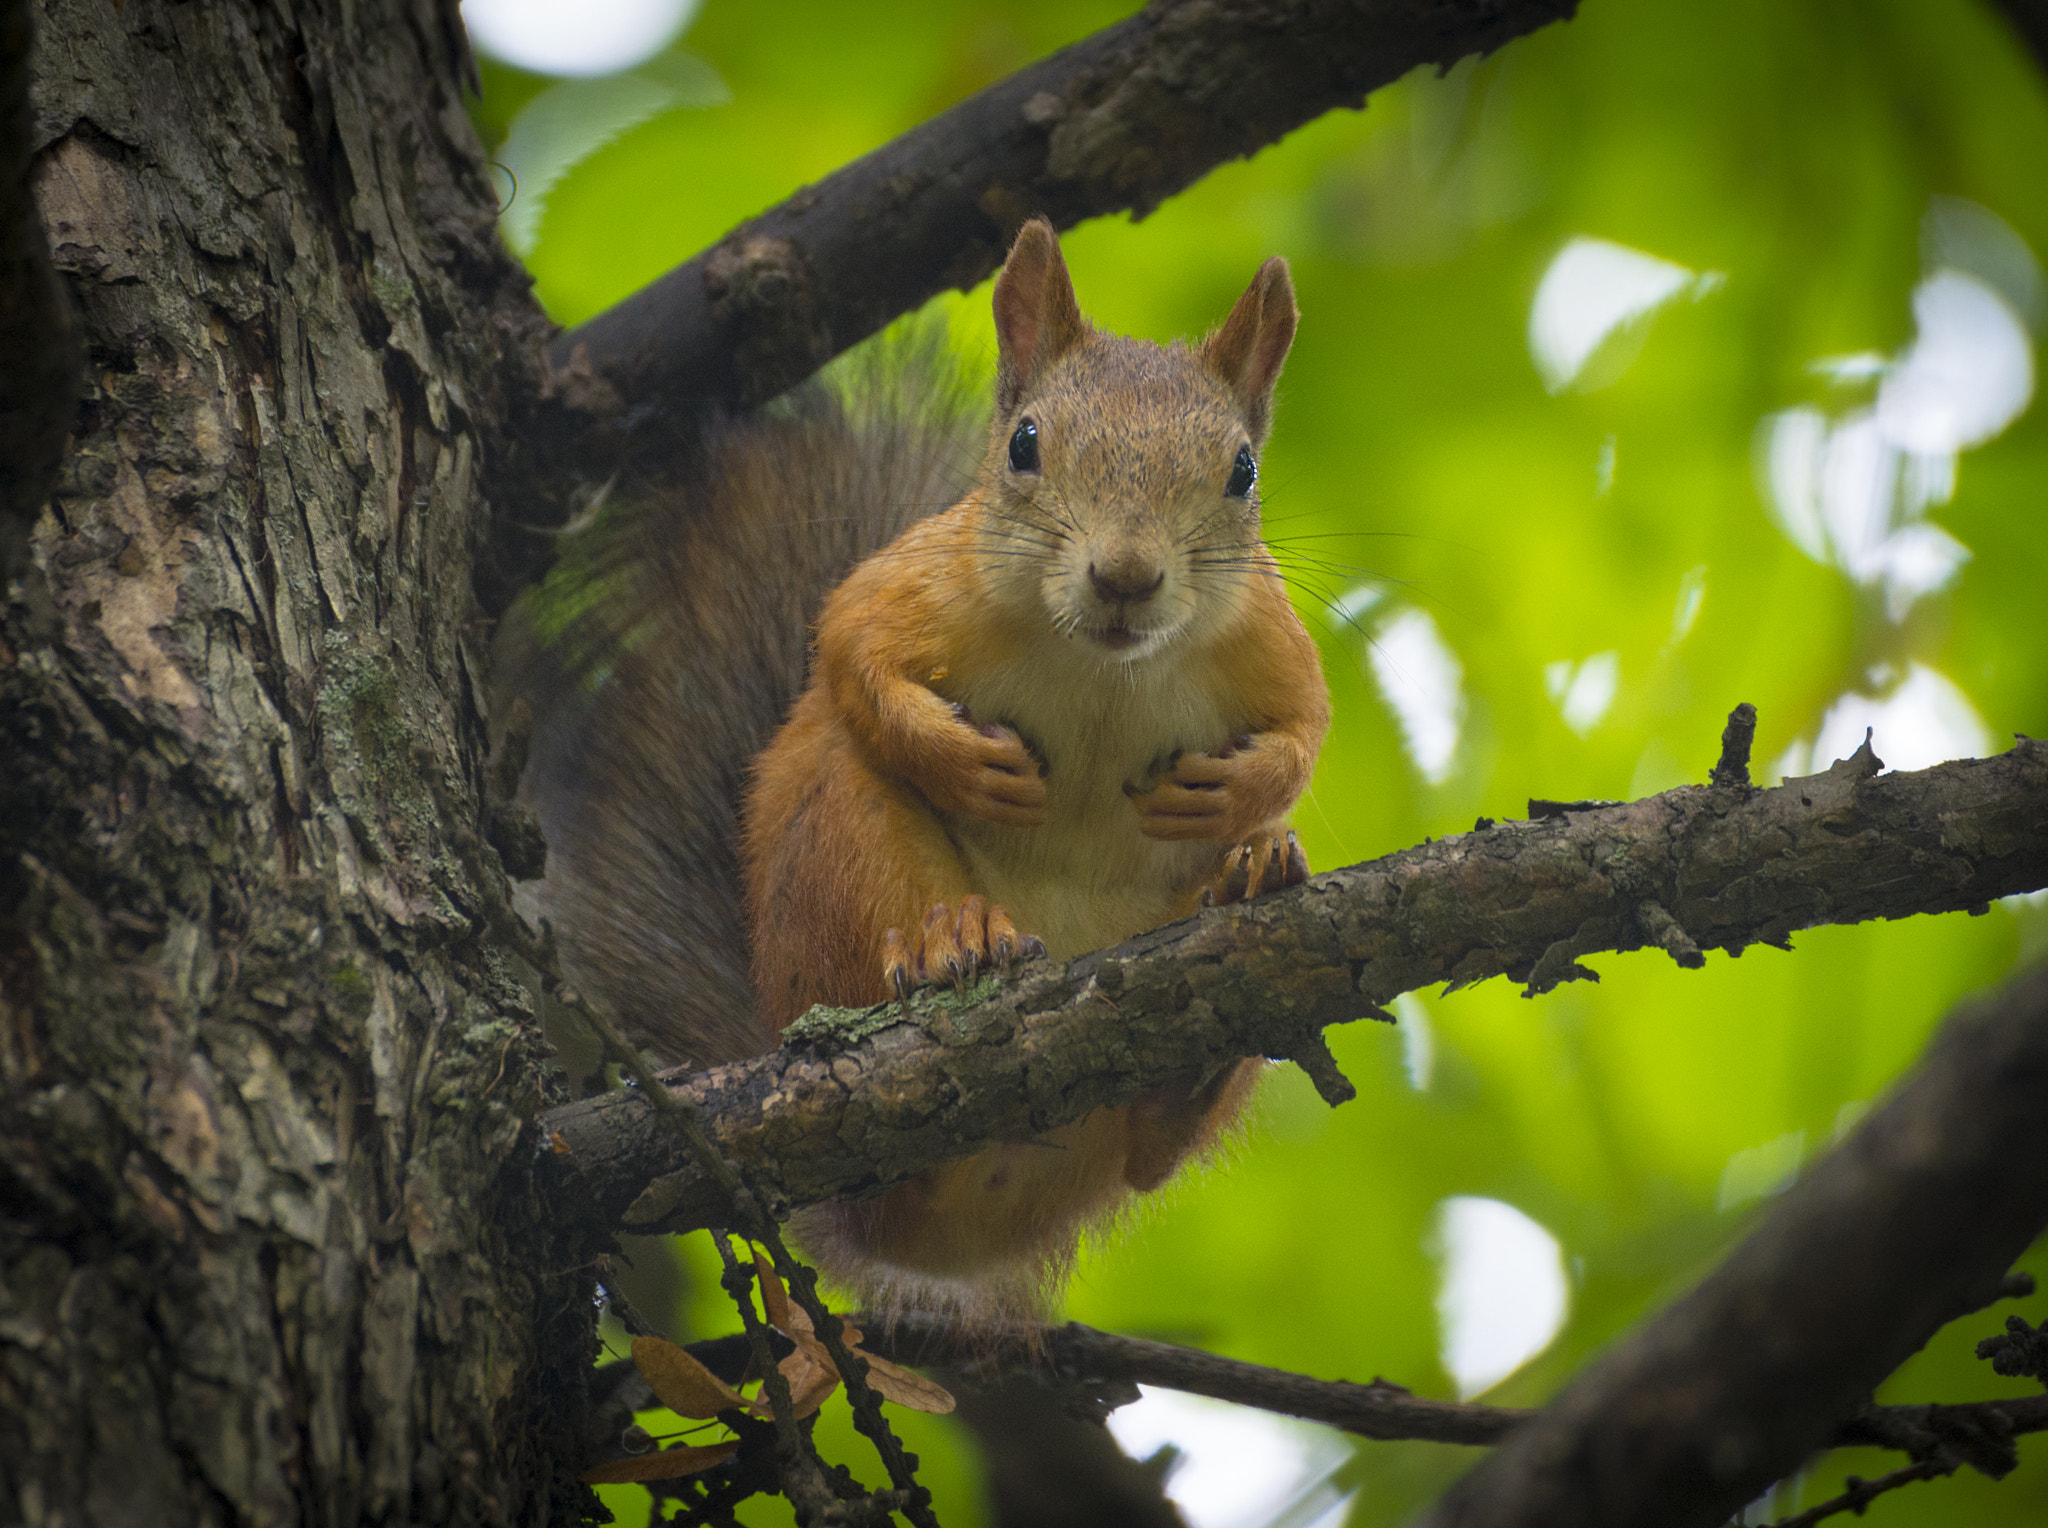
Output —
<point x="265" y="1250"/>
<point x="858" y="1100"/>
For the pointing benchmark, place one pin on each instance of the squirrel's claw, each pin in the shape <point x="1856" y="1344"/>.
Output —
<point x="1003" y="943"/>
<point x="1256" y="868"/>
<point x="1297" y="861"/>
<point x="954" y="949"/>
<point x="898" y="969"/>
<point x="974" y="939"/>
<point x="1237" y="876"/>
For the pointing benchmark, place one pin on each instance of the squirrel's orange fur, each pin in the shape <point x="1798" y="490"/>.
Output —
<point x="1055" y="711"/>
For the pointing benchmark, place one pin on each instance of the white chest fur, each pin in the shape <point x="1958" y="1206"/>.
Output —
<point x="1089" y="877"/>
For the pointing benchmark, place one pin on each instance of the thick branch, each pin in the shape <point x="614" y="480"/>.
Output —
<point x="853" y="1104"/>
<point x="40" y="371"/>
<point x="1912" y="1219"/>
<point x="2030" y="19"/>
<point x="1121" y="120"/>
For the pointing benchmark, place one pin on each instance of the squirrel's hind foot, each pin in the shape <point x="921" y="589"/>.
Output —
<point x="952" y="949"/>
<point x="1252" y="869"/>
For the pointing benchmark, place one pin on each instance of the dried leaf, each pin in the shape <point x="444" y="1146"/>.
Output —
<point x="796" y="1370"/>
<point x="684" y="1385"/>
<point x="816" y="1391"/>
<point x="820" y="1354"/>
<point x="895" y="1383"/>
<point x="775" y="1299"/>
<point x="810" y="1382"/>
<point x="669" y="1464"/>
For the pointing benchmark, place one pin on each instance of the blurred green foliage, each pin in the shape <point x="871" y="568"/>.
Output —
<point x="1420" y="464"/>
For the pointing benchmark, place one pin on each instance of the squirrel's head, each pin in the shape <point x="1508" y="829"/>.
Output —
<point x="1120" y="494"/>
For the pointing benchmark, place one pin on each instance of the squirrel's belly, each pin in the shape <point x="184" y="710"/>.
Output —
<point x="1089" y="877"/>
<point x="1081" y="890"/>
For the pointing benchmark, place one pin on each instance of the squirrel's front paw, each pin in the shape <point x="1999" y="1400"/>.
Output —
<point x="1198" y="795"/>
<point x="954" y="949"/>
<point x="989" y="774"/>
<point x="1252" y="869"/>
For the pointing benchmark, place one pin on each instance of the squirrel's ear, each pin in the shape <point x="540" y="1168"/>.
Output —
<point x="1037" y="319"/>
<point x="1245" y="354"/>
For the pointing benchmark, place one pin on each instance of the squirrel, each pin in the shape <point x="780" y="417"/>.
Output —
<point x="1073" y="706"/>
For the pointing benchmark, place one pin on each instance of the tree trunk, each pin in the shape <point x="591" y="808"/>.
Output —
<point x="267" y="1253"/>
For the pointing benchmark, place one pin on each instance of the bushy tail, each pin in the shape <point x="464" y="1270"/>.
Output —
<point x="666" y="646"/>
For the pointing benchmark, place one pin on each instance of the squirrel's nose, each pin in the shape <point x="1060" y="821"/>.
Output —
<point x="1126" y="582"/>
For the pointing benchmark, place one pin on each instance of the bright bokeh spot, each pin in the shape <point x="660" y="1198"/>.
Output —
<point x="571" y="120"/>
<point x="1583" y="691"/>
<point x="1592" y="290"/>
<point x="1854" y="488"/>
<point x="581" y="38"/>
<point x="1503" y="1295"/>
<point x="1422" y="681"/>
<point x="1968" y="375"/>
<point x="1924" y="719"/>
<point x="1758" y="1172"/>
<point x="1418" y="1041"/>
<point x="1239" y="1467"/>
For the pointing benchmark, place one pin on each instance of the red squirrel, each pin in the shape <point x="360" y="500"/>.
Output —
<point x="1072" y="707"/>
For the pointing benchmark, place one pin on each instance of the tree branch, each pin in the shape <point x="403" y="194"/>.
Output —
<point x="1119" y="121"/>
<point x="40" y="375"/>
<point x="1912" y="1219"/>
<point x="856" y="1101"/>
<point x="2029" y="18"/>
<point x="1085" y="1359"/>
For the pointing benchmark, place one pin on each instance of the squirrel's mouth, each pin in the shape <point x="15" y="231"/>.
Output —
<point x="1117" y="637"/>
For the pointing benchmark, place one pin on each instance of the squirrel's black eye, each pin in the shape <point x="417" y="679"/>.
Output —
<point x="1024" y="447"/>
<point x="1243" y="472"/>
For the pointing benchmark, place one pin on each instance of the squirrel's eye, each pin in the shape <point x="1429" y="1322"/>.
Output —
<point x="1243" y="473"/>
<point x="1024" y="448"/>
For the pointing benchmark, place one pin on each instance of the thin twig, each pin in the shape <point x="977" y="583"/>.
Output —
<point x="680" y="1113"/>
<point x="1862" y="1493"/>
<point x="804" y="1480"/>
<point x="1085" y="1356"/>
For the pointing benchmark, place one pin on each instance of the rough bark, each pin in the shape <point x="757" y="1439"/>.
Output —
<point x="39" y="360"/>
<point x="853" y="1103"/>
<point x="264" y="1257"/>
<point x="1119" y="121"/>
<point x="1913" y="1219"/>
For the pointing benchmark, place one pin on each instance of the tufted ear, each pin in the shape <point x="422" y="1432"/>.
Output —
<point x="1037" y="319"/>
<point x="1246" y="353"/>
